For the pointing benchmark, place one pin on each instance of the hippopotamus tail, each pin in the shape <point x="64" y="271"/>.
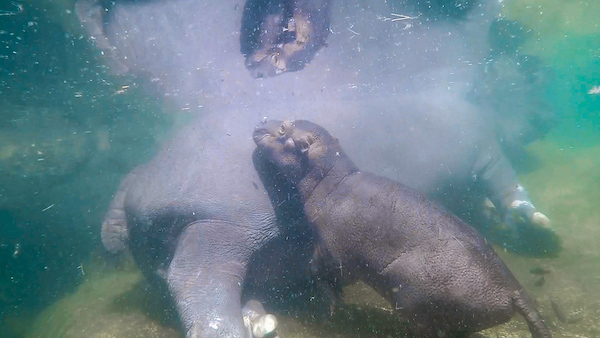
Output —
<point x="524" y="305"/>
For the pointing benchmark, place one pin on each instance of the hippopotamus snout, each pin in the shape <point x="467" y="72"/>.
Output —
<point x="265" y="129"/>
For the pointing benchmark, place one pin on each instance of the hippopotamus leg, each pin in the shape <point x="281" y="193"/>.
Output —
<point x="523" y="228"/>
<point x="205" y="278"/>
<point x="115" y="232"/>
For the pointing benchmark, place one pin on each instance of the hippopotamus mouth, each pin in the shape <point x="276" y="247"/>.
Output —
<point x="268" y="129"/>
<point x="259" y="135"/>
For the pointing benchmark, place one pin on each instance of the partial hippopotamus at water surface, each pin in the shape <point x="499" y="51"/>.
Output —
<point x="436" y="270"/>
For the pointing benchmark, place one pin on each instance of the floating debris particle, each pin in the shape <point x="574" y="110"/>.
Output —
<point x="18" y="8"/>
<point x="48" y="207"/>
<point x="401" y="17"/>
<point x="17" y="250"/>
<point x="595" y="90"/>
<point x="122" y="90"/>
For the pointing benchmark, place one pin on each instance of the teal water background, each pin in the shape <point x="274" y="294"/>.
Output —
<point x="69" y="131"/>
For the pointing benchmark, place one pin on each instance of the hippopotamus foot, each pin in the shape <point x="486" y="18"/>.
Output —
<point x="257" y="321"/>
<point x="524" y="213"/>
<point x="523" y="229"/>
<point x="205" y="278"/>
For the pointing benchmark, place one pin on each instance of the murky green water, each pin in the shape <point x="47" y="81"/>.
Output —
<point x="69" y="131"/>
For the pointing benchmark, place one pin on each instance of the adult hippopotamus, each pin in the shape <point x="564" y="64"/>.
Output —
<point x="434" y="268"/>
<point x="197" y="219"/>
<point x="401" y="79"/>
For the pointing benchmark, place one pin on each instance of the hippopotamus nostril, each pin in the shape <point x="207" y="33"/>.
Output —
<point x="289" y="143"/>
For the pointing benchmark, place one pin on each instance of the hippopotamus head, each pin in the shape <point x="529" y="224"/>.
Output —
<point x="296" y="147"/>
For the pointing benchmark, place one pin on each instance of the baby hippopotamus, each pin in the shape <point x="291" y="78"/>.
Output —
<point x="435" y="269"/>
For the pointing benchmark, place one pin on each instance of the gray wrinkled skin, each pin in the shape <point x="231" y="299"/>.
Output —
<point x="435" y="269"/>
